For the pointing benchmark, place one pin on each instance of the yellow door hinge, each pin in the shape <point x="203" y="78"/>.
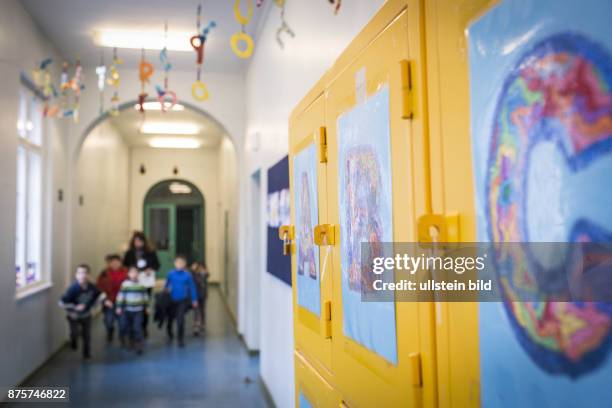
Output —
<point x="407" y="91"/>
<point x="415" y="370"/>
<point x="322" y="142"/>
<point x="324" y="234"/>
<point x="327" y="319"/>
<point x="438" y="228"/>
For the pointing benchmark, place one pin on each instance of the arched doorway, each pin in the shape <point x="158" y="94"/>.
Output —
<point x="174" y="221"/>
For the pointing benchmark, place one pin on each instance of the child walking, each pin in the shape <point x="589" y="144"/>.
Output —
<point x="78" y="301"/>
<point x="132" y="302"/>
<point x="179" y="284"/>
<point x="199" y="273"/>
<point x="109" y="282"/>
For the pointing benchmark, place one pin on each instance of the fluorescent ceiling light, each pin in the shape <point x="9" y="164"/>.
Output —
<point x="150" y="40"/>
<point x="169" y="128"/>
<point x="156" y="106"/>
<point x="175" y="143"/>
<point x="179" y="188"/>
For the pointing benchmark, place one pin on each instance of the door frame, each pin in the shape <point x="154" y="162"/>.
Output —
<point x="201" y="202"/>
<point x="161" y="273"/>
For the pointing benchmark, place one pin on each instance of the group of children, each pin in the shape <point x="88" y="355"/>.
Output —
<point x="126" y="299"/>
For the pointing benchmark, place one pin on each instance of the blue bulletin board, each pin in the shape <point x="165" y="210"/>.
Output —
<point x="541" y="80"/>
<point x="278" y="213"/>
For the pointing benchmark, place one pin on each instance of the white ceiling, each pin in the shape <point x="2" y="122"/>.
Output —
<point x="128" y="123"/>
<point x="70" y="25"/>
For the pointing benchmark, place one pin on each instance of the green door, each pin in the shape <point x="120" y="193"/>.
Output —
<point x="160" y="228"/>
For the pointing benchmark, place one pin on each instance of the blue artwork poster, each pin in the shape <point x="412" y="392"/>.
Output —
<point x="277" y="213"/>
<point x="541" y="106"/>
<point x="306" y="218"/>
<point x="365" y="216"/>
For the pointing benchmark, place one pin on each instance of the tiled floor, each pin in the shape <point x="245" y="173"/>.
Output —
<point x="211" y="371"/>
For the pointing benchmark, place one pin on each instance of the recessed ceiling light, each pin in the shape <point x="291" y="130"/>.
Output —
<point x="175" y="143"/>
<point x="156" y="106"/>
<point x="150" y="40"/>
<point x="169" y="128"/>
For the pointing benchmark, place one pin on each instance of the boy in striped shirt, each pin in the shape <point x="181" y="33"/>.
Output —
<point x="132" y="302"/>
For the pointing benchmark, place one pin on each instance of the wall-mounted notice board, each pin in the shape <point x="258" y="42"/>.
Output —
<point x="278" y="213"/>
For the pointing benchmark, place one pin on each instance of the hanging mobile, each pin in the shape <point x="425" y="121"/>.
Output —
<point x="42" y="80"/>
<point x="114" y="81"/>
<point x="163" y="94"/>
<point x="145" y="72"/>
<point x="241" y="36"/>
<point x="284" y="27"/>
<point x="336" y="4"/>
<point x="199" y="90"/>
<point x="65" y="87"/>
<point x="76" y="84"/>
<point x="101" y="72"/>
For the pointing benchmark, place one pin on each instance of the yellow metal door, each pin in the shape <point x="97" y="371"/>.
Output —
<point x="312" y="390"/>
<point x="452" y="187"/>
<point x="383" y="354"/>
<point x="311" y="285"/>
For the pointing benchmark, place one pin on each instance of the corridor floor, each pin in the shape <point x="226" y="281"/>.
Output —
<point x="213" y="370"/>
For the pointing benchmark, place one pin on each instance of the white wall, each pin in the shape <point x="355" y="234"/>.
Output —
<point x="228" y="186"/>
<point x="32" y="328"/>
<point x="276" y="81"/>
<point x="198" y="166"/>
<point x="101" y="223"/>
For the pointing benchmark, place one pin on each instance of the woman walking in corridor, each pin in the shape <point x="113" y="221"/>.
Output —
<point x="142" y="257"/>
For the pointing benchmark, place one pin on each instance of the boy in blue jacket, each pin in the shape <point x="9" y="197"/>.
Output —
<point x="183" y="294"/>
<point x="78" y="301"/>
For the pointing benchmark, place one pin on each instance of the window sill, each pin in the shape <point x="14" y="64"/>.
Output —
<point x="32" y="290"/>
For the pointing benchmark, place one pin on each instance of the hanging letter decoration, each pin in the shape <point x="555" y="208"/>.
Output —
<point x="165" y="97"/>
<point x="114" y="81"/>
<point x="284" y="27"/>
<point x="199" y="90"/>
<point x="242" y="43"/>
<point x="145" y="71"/>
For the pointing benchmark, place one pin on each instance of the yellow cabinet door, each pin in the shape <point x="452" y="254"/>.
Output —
<point x="383" y="353"/>
<point x="311" y="389"/>
<point x="452" y="187"/>
<point x="311" y="295"/>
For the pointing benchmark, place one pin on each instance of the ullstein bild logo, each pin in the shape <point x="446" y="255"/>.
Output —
<point x="486" y="272"/>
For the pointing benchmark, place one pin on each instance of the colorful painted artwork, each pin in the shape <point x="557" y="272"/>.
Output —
<point x="284" y="207"/>
<point x="543" y="159"/>
<point x="279" y="208"/>
<point x="366" y="216"/>
<point x="273" y="209"/>
<point x="306" y="218"/>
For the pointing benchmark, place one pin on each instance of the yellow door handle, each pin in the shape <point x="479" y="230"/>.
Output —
<point x="325" y="234"/>
<point x="286" y="233"/>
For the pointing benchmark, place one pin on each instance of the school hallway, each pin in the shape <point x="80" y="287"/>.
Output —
<point x="212" y="370"/>
<point x="391" y="203"/>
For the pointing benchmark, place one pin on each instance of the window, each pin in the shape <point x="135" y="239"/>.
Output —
<point x="29" y="232"/>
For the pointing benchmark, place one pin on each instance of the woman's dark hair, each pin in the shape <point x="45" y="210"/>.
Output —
<point x="140" y="236"/>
